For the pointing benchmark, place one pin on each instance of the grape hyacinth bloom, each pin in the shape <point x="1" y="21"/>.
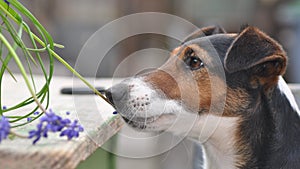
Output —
<point x="4" y="128"/>
<point x="51" y="122"/>
<point x="72" y="130"/>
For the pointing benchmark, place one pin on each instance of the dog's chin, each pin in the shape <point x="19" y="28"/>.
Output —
<point x="149" y="124"/>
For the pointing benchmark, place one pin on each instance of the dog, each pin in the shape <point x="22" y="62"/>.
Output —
<point x="224" y="90"/>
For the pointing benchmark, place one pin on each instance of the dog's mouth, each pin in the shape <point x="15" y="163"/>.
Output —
<point x="140" y="122"/>
<point x="152" y="123"/>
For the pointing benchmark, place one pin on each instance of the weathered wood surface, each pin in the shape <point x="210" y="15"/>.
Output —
<point x="56" y="152"/>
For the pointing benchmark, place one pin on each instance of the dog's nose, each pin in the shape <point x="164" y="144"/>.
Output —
<point x="117" y="93"/>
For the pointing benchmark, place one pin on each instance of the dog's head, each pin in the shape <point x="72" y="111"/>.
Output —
<point x="219" y="68"/>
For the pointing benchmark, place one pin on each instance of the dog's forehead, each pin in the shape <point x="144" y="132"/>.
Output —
<point x="213" y="39"/>
<point x="210" y="45"/>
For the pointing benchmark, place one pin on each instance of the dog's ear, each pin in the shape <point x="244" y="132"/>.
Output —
<point x="206" y="31"/>
<point x="253" y="49"/>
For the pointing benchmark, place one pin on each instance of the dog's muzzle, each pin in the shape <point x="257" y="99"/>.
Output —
<point x="117" y="93"/>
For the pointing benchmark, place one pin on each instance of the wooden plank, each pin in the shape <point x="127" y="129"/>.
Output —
<point x="55" y="152"/>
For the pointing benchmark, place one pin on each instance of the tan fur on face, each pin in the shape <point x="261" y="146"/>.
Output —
<point x="175" y="51"/>
<point x="236" y="99"/>
<point x="170" y="79"/>
<point x="202" y="54"/>
<point x="163" y="81"/>
<point x="172" y="82"/>
<point x="201" y="77"/>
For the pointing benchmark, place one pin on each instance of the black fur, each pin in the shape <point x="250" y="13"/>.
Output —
<point x="285" y="152"/>
<point x="271" y="128"/>
<point x="250" y="48"/>
<point x="206" y="31"/>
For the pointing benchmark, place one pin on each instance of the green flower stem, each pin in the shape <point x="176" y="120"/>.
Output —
<point x="38" y="50"/>
<point x="57" y="57"/>
<point x="17" y="134"/>
<point x="22" y="70"/>
<point x="59" y="45"/>
<point x="8" y="70"/>
<point x="79" y="76"/>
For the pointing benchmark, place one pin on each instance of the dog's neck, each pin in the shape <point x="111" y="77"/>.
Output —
<point x="217" y="137"/>
<point x="218" y="149"/>
<point x="271" y="131"/>
<point x="285" y="149"/>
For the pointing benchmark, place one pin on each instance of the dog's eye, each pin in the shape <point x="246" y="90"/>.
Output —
<point x="193" y="62"/>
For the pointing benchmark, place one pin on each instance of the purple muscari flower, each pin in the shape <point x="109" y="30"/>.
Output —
<point x="29" y="119"/>
<point x="72" y="130"/>
<point x="51" y="122"/>
<point x="36" y="113"/>
<point x="4" y="128"/>
<point x="115" y="112"/>
<point x="36" y="133"/>
<point x="4" y="107"/>
<point x="68" y="113"/>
